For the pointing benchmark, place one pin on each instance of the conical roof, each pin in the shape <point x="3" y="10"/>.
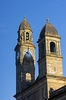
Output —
<point x="25" y="25"/>
<point x="48" y="29"/>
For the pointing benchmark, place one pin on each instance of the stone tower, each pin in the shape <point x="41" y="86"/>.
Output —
<point x="25" y="57"/>
<point x="50" y="59"/>
<point x="49" y="63"/>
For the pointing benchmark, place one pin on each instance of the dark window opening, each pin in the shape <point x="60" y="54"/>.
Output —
<point x="52" y="47"/>
<point x="27" y="36"/>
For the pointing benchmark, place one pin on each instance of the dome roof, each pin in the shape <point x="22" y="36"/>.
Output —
<point x="24" y="25"/>
<point x="48" y="29"/>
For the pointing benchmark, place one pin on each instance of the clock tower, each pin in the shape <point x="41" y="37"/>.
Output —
<point x="25" y="57"/>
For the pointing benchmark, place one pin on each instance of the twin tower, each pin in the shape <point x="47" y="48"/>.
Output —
<point x="49" y="62"/>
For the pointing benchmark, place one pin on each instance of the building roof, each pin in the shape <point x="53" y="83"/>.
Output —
<point x="48" y="29"/>
<point x="25" y="25"/>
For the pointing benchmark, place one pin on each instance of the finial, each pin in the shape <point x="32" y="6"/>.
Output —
<point x="24" y="17"/>
<point x="47" y="19"/>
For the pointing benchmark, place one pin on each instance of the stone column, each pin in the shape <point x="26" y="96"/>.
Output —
<point x="59" y="49"/>
<point x="48" y="47"/>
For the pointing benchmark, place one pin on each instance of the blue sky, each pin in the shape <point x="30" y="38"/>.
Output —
<point x="11" y="15"/>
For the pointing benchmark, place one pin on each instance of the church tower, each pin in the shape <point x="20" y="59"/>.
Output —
<point x="50" y="59"/>
<point x="25" y="57"/>
<point x="49" y="63"/>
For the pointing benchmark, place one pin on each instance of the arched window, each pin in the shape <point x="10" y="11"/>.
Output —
<point x="27" y="36"/>
<point x="52" y="47"/>
<point x="28" y="77"/>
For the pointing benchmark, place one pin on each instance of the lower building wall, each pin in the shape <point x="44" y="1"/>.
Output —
<point x="54" y="84"/>
<point x="41" y="90"/>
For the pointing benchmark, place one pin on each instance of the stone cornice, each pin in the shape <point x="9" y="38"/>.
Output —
<point x="57" y="77"/>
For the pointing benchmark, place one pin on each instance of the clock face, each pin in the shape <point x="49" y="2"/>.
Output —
<point x="28" y="53"/>
<point x="18" y="55"/>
